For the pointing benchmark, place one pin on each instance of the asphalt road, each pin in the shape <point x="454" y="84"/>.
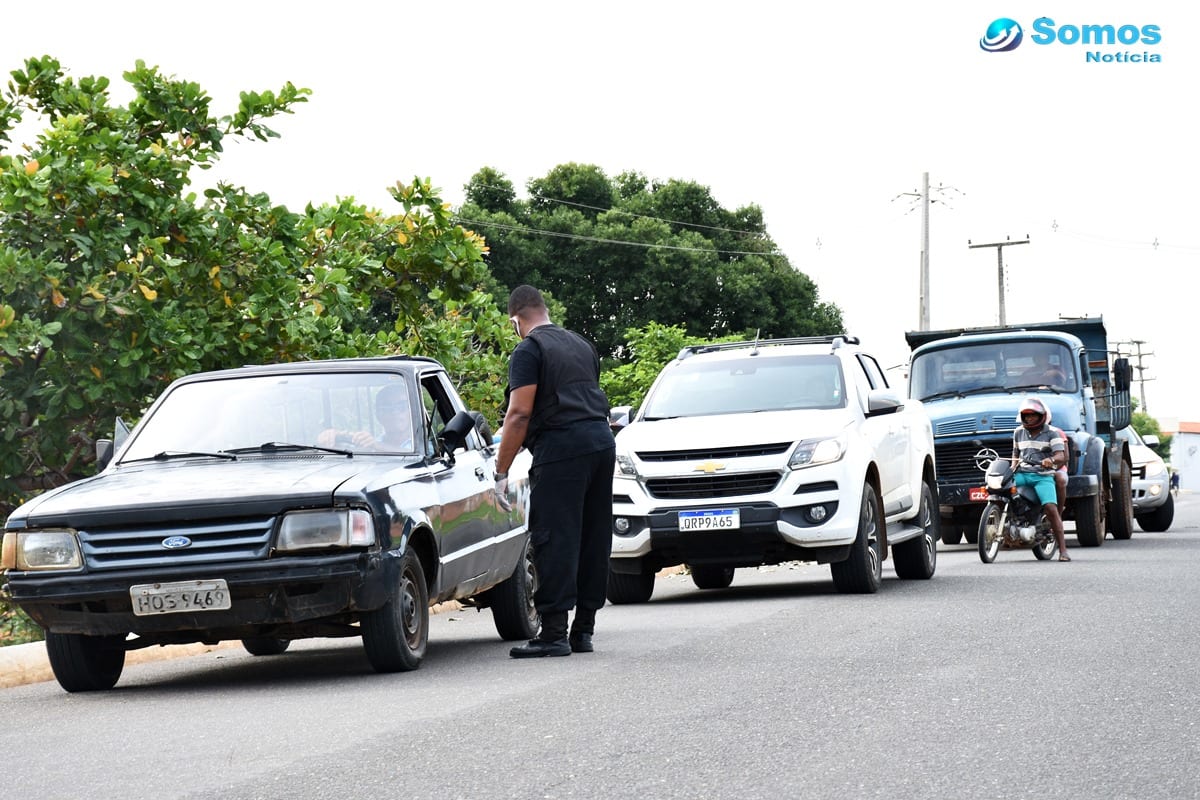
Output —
<point x="1011" y="680"/>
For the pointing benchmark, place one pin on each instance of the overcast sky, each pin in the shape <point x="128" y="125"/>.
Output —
<point x="825" y="115"/>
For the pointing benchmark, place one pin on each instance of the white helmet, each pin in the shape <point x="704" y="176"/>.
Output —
<point x="1034" y="406"/>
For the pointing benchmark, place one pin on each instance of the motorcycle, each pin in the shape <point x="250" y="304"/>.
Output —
<point x="1013" y="517"/>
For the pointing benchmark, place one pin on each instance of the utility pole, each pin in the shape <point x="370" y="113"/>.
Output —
<point x="925" y="201"/>
<point x="1000" y="264"/>
<point x="1141" y="378"/>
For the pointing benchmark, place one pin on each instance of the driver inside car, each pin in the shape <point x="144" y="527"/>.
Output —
<point x="393" y="412"/>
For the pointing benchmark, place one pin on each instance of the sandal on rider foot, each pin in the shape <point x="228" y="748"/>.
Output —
<point x="1063" y="557"/>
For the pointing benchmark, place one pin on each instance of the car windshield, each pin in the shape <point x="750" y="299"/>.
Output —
<point x="338" y="411"/>
<point x="1014" y="366"/>
<point x="698" y="387"/>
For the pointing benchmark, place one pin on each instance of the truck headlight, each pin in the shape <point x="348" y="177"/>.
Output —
<point x="306" y="530"/>
<point x="44" y="550"/>
<point x="1155" y="468"/>
<point x="811" y="452"/>
<point x="625" y="467"/>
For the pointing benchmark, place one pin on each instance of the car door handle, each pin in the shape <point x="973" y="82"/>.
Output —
<point x="479" y="473"/>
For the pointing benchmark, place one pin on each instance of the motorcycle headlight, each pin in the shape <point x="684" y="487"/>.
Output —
<point x="43" y="550"/>
<point x="811" y="452"/>
<point x="307" y="530"/>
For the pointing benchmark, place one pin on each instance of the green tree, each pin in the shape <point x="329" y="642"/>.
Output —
<point x="114" y="279"/>
<point x="1147" y="425"/>
<point x="650" y="349"/>
<point x="627" y="252"/>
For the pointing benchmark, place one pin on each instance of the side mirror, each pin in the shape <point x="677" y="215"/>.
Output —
<point x="618" y="417"/>
<point x="883" y="401"/>
<point x="454" y="435"/>
<point x="1122" y="374"/>
<point x="1150" y="440"/>
<point x="106" y="448"/>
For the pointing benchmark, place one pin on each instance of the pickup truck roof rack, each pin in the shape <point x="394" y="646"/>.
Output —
<point x="836" y="340"/>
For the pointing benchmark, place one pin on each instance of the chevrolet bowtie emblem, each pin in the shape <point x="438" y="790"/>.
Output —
<point x="709" y="467"/>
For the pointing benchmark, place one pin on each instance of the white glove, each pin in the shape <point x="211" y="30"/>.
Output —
<point x="502" y="492"/>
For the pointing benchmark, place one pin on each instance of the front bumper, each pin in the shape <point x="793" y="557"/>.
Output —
<point x="285" y="594"/>
<point x="1149" y="494"/>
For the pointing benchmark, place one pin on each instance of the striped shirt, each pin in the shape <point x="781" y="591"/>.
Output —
<point x="1030" y="450"/>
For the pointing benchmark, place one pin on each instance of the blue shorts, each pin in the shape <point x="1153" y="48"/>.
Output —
<point x="1042" y="484"/>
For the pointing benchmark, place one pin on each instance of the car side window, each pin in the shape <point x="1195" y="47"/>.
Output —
<point x="439" y="409"/>
<point x="874" y="374"/>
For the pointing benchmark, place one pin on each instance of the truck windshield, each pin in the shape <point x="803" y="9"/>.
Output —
<point x="345" y="411"/>
<point x="751" y="383"/>
<point x="1013" y="366"/>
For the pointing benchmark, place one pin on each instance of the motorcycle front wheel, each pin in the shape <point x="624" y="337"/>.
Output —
<point x="1044" y="545"/>
<point x="990" y="535"/>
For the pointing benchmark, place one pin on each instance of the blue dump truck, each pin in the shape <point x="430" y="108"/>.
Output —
<point x="972" y="381"/>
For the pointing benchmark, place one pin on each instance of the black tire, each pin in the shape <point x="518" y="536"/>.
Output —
<point x="396" y="635"/>
<point x="709" y="576"/>
<point x="1120" y="506"/>
<point x="971" y="533"/>
<point x="862" y="572"/>
<point x="1089" y="521"/>
<point x="1159" y="519"/>
<point x="1046" y="545"/>
<point x="988" y="536"/>
<point x="916" y="559"/>
<point x="626" y="588"/>
<point x="513" y="611"/>
<point x="265" y="645"/>
<point x="952" y="533"/>
<point x="85" y="663"/>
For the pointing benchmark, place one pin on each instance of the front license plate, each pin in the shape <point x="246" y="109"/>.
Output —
<point x="977" y="494"/>
<point x="721" y="519"/>
<point x="179" y="597"/>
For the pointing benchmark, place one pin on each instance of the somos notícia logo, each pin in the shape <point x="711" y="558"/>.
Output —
<point x="1005" y="34"/>
<point x="1002" y="35"/>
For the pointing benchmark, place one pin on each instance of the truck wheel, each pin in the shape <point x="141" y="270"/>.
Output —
<point x="1089" y="522"/>
<point x="862" y="572"/>
<point x="265" y="645"/>
<point x="395" y="636"/>
<point x="513" y="610"/>
<point x="85" y="663"/>
<point x="1120" y="509"/>
<point x="626" y="588"/>
<point x="1159" y="519"/>
<point x="952" y="533"/>
<point x="917" y="558"/>
<point x="708" y="576"/>
<point x="989" y="535"/>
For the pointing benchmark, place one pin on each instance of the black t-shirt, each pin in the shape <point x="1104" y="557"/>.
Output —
<point x="555" y="444"/>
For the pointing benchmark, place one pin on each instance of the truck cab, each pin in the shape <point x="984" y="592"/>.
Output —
<point x="972" y="381"/>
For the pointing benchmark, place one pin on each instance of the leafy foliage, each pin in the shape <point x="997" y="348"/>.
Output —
<point x="1146" y="425"/>
<point x="622" y="254"/>
<point x="650" y="349"/>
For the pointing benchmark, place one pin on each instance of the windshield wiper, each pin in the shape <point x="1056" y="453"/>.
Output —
<point x="981" y="389"/>
<point x="288" y="447"/>
<point x="168" y="455"/>
<point x="1036" y="386"/>
<point x="940" y="395"/>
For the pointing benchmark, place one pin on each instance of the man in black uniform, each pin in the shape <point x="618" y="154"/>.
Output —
<point x="557" y="409"/>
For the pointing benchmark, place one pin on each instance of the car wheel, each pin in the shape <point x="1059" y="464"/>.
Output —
<point x="265" y="645"/>
<point x="396" y="635"/>
<point x="988" y="535"/>
<point x="1120" y="508"/>
<point x="1159" y="519"/>
<point x="511" y="602"/>
<point x="630" y="588"/>
<point x="916" y="559"/>
<point x="709" y="576"/>
<point x="1089" y="521"/>
<point x="862" y="572"/>
<point x="85" y="663"/>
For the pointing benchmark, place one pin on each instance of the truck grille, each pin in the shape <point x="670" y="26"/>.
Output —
<point x="705" y="486"/>
<point x="210" y="541"/>
<point x="741" y="451"/>
<point x="956" y="460"/>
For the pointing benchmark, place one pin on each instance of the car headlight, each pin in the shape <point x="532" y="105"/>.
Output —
<point x="625" y="467"/>
<point x="811" y="452"/>
<point x="1155" y="468"/>
<point x="306" y="530"/>
<point x="42" y="550"/>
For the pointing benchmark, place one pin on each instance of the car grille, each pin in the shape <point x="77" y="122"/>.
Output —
<point x="740" y="451"/>
<point x="967" y="425"/>
<point x="210" y="541"/>
<point x="704" y="486"/>
<point x="956" y="461"/>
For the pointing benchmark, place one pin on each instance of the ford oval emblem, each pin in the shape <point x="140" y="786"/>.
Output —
<point x="176" y="542"/>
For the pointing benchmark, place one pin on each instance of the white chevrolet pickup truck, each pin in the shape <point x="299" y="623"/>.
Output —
<point x="763" y="452"/>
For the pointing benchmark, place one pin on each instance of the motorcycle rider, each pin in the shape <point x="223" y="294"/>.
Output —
<point x="1038" y="451"/>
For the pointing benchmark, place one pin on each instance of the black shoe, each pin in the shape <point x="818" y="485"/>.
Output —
<point x="581" y="643"/>
<point x="537" y="648"/>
